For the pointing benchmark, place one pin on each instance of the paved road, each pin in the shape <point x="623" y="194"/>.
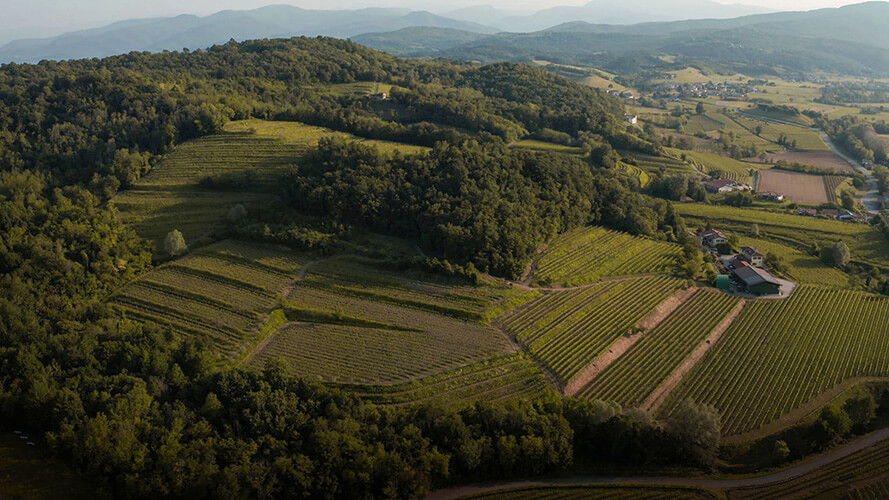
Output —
<point x="871" y="199"/>
<point x="719" y="484"/>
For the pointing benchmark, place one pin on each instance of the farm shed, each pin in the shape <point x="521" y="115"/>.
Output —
<point x="756" y="281"/>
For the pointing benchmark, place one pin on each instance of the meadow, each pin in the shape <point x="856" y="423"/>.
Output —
<point x="779" y="355"/>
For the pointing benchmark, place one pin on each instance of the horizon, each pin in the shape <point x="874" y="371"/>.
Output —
<point x="46" y="18"/>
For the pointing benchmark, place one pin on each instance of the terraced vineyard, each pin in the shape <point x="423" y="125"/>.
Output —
<point x="851" y="478"/>
<point x="567" y="330"/>
<point x="722" y="166"/>
<point x="589" y="254"/>
<point x="655" y="164"/>
<point x="170" y="197"/>
<point x="637" y="373"/>
<point x="506" y="378"/>
<point x="598" y="492"/>
<point x="222" y="292"/>
<point x="778" y="355"/>
<point x="636" y="172"/>
<point x="866" y="244"/>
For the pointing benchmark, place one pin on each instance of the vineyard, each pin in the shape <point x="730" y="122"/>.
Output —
<point x="636" y="172"/>
<point x="778" y="355"/>
<point x="832" y="185"/>
<point x="589" y="254"/>
<point x="722" y="166"/>
<point x="850" y="478"/>
<point x="599" y="492"/>
<point x="355" y="323"/>
<point x="221" y="293"/>
<point x="255" y="151"/>
<point x="640" y="371"/>
<point x="656" y="164"/>
<point x="506" y="378"/>
<point x="567" y="330"/>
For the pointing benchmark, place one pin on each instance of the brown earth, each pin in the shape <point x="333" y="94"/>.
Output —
<point x="823" y="159"/>
<point x="802" y="188"/>
<point x="623" y="344"/>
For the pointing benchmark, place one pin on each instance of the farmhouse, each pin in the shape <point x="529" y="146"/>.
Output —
<point x="382" y="96"/>
<point x="772" y="196"/>
<point x="632" y="119"/>
<point x="721" y="186"/>
<point x="830" y="212"/>
<point x="810" y="212"/>
<point x="755" y="281"/>
<point x="753" y="256"/>
<point x="712" y="238"/>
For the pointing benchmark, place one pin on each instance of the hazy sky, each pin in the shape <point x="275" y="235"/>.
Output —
<point x="37" y="18"/>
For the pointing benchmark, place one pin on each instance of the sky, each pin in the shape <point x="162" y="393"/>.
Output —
<point x="42" y="18"/>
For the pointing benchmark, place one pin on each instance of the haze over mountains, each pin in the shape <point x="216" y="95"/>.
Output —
<point x="175" y="33"/>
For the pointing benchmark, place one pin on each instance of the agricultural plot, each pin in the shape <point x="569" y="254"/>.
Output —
<point x="822" y="159"/>
<point x="636" y="172"/>
<point x="658" y="164"/>
<point x="547" y="147"/>
<point x="506" y="378"/>
<point x="254" y="151"/>
<point x="863" y="475"/>
<point x="222" y="292"/>
<point x="589" y="254"/>
<point x="567" y="330"/>
<point x="806" y="139"/>
<point x="598" y="492"/>
<point x="703" y="124"/>
<point x="866" y="244"/>
<point x="641" y="370"/>
<point x="806" y="189"/>
<point x="778" y="355"/>
<point x="341" y="338"/>
<point x="801" y="267"/>
<point x="722" y="166"/>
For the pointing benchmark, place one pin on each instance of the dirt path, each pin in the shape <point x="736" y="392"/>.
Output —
<point x="657" y="398"/>
<point x="719" y="484"/>
<point x="624" y="344"/>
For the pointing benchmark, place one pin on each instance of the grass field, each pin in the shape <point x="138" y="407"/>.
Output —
<point x="589" y="254"/>
<point x="598" y="492"/>
<point x="567" y="330"/>
<point x="222" y="292"/>
<point x="169" y="197"/>
<point x="802" y="267"/>
<point x="806" y="189"/>
<point x="778" y="355"/>
<point x="866" y="244"/>
<point x="641" y="370"/>
<point x="30" y="473"/>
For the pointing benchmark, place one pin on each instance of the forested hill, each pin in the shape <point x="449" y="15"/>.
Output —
<point x="142" y="409"/>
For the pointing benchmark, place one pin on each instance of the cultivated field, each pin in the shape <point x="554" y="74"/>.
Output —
<point x="779" y="355"/>
<point x="823" y="159"/>
<point x="658" y="164"/>
<point x="802" y="188"/>
<point x="641" y="370"/>
<point x="722" y="166"/>
<point x="568" y="330"/>
<point x="222" y="293"/>
<point x="589" y="254"/>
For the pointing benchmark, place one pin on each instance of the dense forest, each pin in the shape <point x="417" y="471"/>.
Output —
<point x="145" y="411"/>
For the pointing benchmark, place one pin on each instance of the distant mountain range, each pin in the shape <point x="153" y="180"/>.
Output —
<point x="278" y="21"/>
<point x="851" y="39"/>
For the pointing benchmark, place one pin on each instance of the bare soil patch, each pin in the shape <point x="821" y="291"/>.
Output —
<point x="823" y="159"/>
<point x="623" y="344"/>
<point x="801" y="188"/>
<point x="657" y="398"/>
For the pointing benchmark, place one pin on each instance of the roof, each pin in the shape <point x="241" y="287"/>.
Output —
<point x="713" y="232"/>
<point x="720" y="183"/>
<point x="752" y="276"/>
<point x="752" y="251"/>
<point x="830" y="212"/>
<point x="771" y="194"/>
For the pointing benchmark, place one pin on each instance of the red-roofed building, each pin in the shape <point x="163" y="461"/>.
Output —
<point x="712" y="238"/>
<point x="720" y="186"/>
<point x="753" y="256"/>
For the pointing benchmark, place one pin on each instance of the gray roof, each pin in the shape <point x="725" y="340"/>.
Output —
<point x="752" y="276"/>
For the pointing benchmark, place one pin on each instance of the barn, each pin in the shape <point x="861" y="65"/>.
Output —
<point x="755" y="281"/>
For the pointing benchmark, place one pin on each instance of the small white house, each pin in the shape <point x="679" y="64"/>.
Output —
<point x="632" y="119"/>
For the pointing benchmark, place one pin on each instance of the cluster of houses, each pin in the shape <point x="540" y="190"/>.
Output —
<point x="746" y="270"/>
<point x="622" y="94"/>
<point x="723" y="90"/>
<point x="772" y="196"/>
<point x="832" y="213"/>
<point x="725" y="186"/>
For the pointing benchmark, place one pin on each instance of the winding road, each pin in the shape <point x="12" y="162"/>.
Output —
<point x="712" y="483"/>
<point x="871" y="200"/>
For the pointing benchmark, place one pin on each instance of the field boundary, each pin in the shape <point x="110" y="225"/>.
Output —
<point x="657" y="398"/>
<point x="623" y="344"/>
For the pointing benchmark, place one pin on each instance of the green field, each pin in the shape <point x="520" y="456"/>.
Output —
<point x="589" y="254"/>
<point x="641" y="370"/>
<point x="658" y="164"/>
<point x="866" y="244"/>
<point x="547" y="147"/>
<point x="567" y="330"/>
<point x="802" y="267"/>
<point x="723" y="166"/>
<point x="169" y="197"/>
<point x="222" y="292"/>
<point x="805" y="139"/>
<point x="779" y="355"/>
